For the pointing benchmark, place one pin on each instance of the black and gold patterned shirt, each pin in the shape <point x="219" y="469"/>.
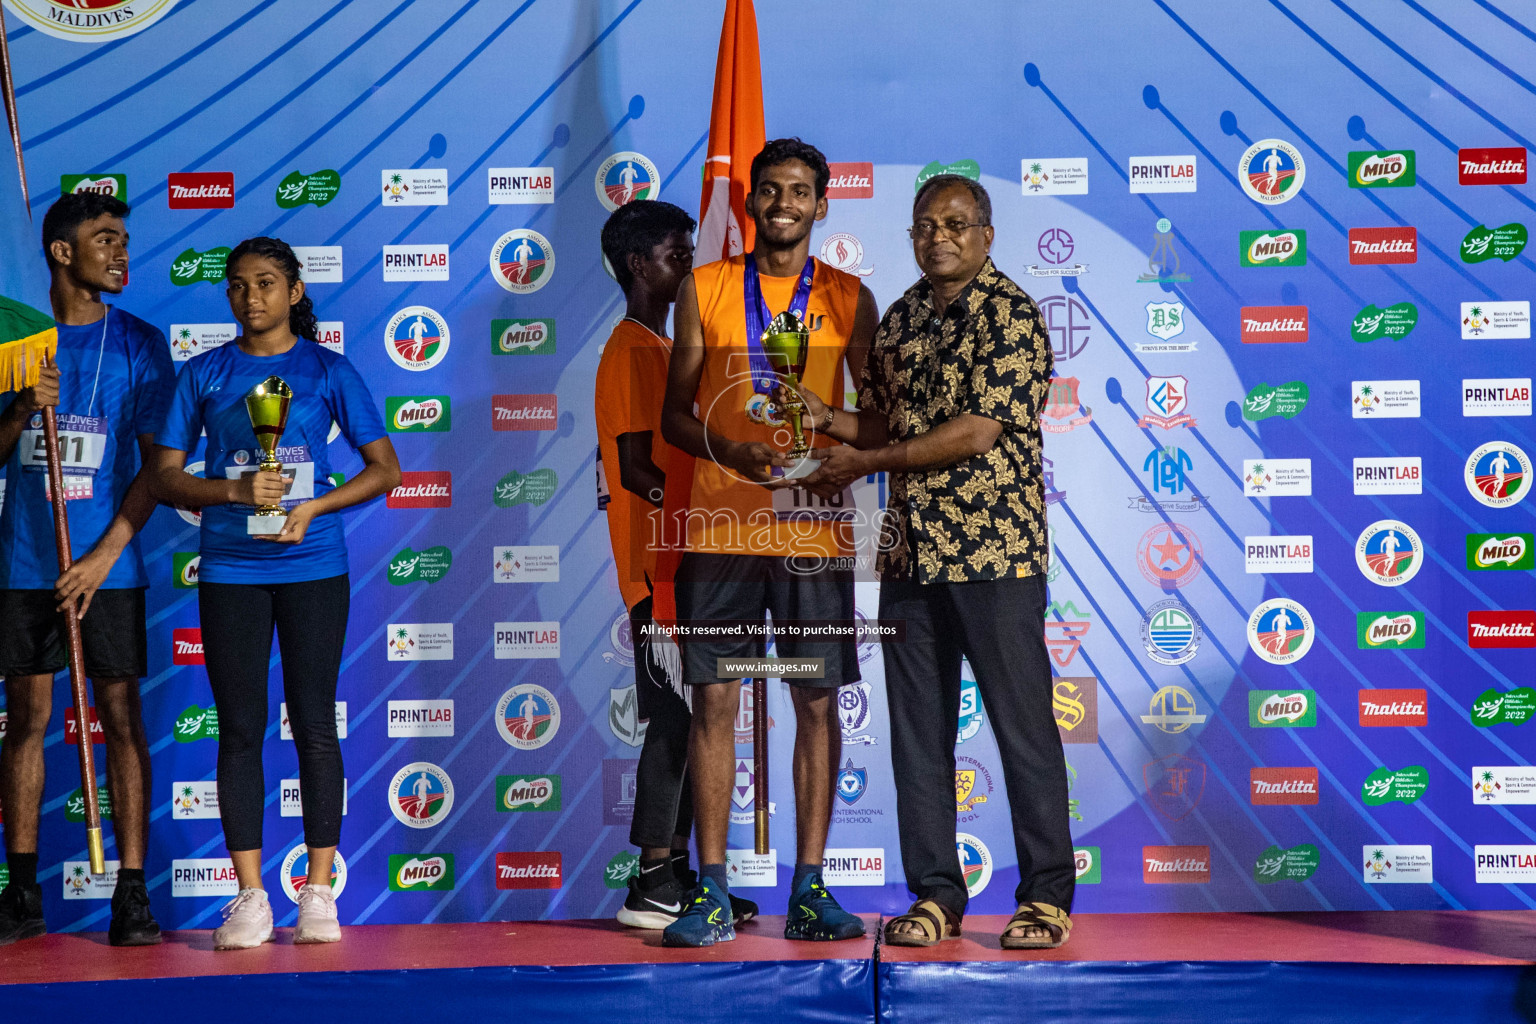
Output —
<point x="988" y="354"/>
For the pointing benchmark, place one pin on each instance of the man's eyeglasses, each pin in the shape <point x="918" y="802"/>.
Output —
<point x="926" y="229"/>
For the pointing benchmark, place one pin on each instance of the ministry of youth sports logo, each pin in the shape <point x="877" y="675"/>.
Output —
<point x="416" y="338"/>
<point x="625" y="177"/>
<point x="1498" y="474"/>
<point x="1389" y="553"/>
<point x="522" y="261"/>
<point x="421" y="794"/>
<point x="527" y="716"/>
<point x="1272" y="172"/>
<point x="1280" y="631"/>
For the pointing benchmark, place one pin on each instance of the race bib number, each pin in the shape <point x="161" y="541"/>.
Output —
<point x="82" y="447"/>
<point x="793" y="504"/>
<point x="297" y="463"/>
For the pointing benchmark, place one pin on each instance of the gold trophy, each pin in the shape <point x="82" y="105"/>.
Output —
<point x="267" y="405"/>
<point x="787" y="344"/>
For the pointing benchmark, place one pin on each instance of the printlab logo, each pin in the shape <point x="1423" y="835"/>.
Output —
<point x="522" y="261"/>
<point x="421" y="186"/>
<point x="1056" y="247"/>
<point x="416" y="338"/>
<point x="420" y="718"/>
<point x="415" y="263"/>
<point x="1391" y="474"/>
<point x="1070" y="325"/>
<point x="1278" y="554"/>
<point x="1171" y="633"/>
<point x="1395" y="322"/>
<point x="1484" y="243"/>
<point x="1163" y="261"/>
<point x="1496" y="396"/>
<point x="1272" y="172"/>
<point x="527" y="640"/>
<point x="1165" y="322"/>
<point x="1285" y="401"/>
<point x="188" y="340"/>
<point x="1161" y="173"/>
<point x="520" y="185"/>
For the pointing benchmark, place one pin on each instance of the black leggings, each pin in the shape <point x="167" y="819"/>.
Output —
<point x="311" y="620"/>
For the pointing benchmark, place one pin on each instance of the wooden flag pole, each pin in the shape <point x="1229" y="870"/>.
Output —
<point x="76" y="651"/>
<point x="760" y="766"/>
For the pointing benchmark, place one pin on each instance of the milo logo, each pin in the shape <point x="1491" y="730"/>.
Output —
<point x="1282" y="709"/>
<point x="102" y="184"/>
<point x="1389" y="630"/>
<point x="527" y="792"/>
<point x="193" y="266"/>
<point x="185" y="567"/>
<point x="417" y="413"/>
<point x="420" y="872"/>
<point x="523" y="337"/>
<point x="525" y="488"/>
<point x="1396" y="321"/>
<point x="1382" y="170"/>
<point x="1273" y="249"/>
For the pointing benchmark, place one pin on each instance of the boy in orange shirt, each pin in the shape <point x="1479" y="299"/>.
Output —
<point x="649" y="245"/>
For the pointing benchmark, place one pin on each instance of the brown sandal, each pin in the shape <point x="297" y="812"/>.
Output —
<point x="1038" y="915"/>
<point x="937" y="922"/>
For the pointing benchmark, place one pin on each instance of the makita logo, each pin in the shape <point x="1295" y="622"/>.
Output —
<point x="524" y="412"/>
<point x="1499" y="165"/>
<point x="1383" y="245"/>
<point x="1274" y="324"/>
<point x="1394" y="707"/>
<point x="1501" y="629"/>
<point x="1174" y="864"/>
<point x="187" y="647"/>
<point x="851" y="181"/>
<point x="1282" y="786"/>
<point x="208" y="190"/>
<point x="422" y="490"/>
<point x="528" y="871"/>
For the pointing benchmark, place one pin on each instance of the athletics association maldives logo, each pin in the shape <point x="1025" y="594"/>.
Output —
<point x="416" y="338"/>
<point x="1389" y="553"/>
<point x="522" y="261"/>
<point x="1169" y="555"/>
<point x="625" y="177"/>
<point x="1498" y="474"/>
<point x="1171" y="633"/>
<point x="295" y="872"/>
<point x="527" y="716"/>
<point x="1272" y="172"/>
<point x="421" y="794"/>
<point x="1280" y="631"/>
<point x="975" y="862"/>
<point x="90" y="21"/>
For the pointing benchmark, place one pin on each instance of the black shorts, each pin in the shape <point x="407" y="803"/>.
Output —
<point x="744" y="587"/>
<point x="112" y="633"/>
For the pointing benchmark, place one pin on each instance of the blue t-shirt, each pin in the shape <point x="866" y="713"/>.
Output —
<point x="210" y="395"/>
<point x="115" y="376"/>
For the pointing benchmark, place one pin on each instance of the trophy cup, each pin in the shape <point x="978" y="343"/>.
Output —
<point x="267" y="405"/>
<point x="787" y="344"/>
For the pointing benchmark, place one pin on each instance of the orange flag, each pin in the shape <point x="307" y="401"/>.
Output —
<point x="735" y="137"/>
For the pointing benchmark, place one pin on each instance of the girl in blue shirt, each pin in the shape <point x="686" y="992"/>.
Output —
<point x="295" y="580"/>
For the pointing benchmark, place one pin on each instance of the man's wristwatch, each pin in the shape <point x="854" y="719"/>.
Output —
<point x="826" y="421"/>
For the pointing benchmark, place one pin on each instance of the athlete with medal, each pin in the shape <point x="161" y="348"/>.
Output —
<point x="746" y="555"/>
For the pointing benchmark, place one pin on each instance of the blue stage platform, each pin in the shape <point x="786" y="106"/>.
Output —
<point x="1385" y="968"/>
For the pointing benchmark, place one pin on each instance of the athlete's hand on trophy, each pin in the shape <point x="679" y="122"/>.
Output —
<point x="260" y="488"/>
<point x="815" y="408"/>
<point x="44" y="393"/>
<point x="755" y="461"/>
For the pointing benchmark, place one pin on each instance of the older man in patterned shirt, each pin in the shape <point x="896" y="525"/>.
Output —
<point x="950" y="407"/>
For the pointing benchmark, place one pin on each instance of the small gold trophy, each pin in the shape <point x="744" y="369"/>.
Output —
<point x="267" y="405"/>
<point x="787" y="344"/>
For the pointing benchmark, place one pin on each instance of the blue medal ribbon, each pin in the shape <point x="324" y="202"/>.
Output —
<point x="759" y="317"/>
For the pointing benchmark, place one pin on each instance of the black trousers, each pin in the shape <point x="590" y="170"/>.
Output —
<point x="997" y="626"/>
<point x="663" y="802"/>
<point x="311" y="621"/>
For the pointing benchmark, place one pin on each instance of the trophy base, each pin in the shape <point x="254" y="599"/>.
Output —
<point x="264" y="526"/>
<point x="805" y="467"/>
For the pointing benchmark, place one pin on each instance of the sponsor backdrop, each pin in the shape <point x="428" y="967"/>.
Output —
<point x="1289" y="446"/>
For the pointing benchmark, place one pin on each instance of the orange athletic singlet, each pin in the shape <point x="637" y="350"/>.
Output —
<point x="727" y="514"/>
<point x="631" y="380"/>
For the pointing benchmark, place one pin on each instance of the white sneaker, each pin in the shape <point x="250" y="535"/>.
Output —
<point x="247" y="921"/>
<point x="317" y="915"/>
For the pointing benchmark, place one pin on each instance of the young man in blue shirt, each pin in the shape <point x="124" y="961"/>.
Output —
<point x="111" y="379"/>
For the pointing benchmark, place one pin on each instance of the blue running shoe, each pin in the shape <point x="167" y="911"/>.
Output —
<point x="705" y="921"/>
<point x="815" y="915"/>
